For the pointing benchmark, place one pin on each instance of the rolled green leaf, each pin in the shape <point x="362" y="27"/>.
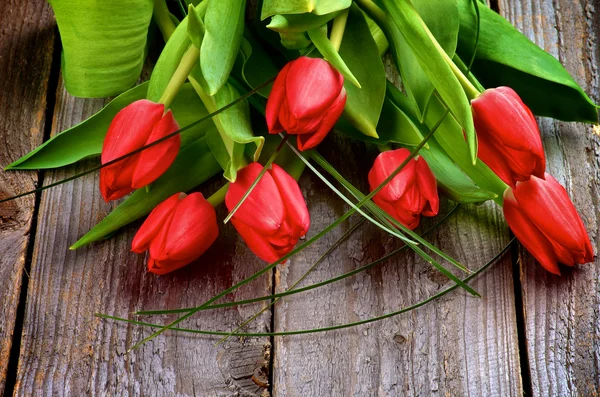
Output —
<point x="224" y="23"/>
<point x="359" y="51"/>
<point x="86" y="138"/>
<point x="505" y="57"/>
<point x="442" y="19"/>
<point x="194" y="165"/>
<point x="317" y="7"/>
<point x="103" y="44"/>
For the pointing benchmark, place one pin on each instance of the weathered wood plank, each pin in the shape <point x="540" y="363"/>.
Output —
<point x="561" y="313"/>
<point x="458" y="345"/>
<point x="26" y="45"/>
<point x="68" y="351"/>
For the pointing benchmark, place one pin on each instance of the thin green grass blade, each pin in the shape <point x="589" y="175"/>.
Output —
<point x="331" y="328"/>
<point x="303" y="289"/>
<point x="310" y="270"/>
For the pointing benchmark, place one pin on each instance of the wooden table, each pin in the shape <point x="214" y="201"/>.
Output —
<point x="531" y="334"/>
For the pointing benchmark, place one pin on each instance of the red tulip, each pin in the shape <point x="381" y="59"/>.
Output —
<point x="508" y="136"/>
<point x="307" y="99"/>
<point x="411" y="193"/>
<point x="178" y="231"/>
<point x="543" y="218"/>
<point x="274" y="216"/>
<point x="137" y="125"/>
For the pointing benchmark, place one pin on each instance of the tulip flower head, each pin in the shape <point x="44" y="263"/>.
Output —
<point x="543" y="218"/>
<point x="274" y="216"/>
<point x="307" y="99"/>
<point x="508" y="136"/>
<point x="135" y="126"/>
<point x="178" y="231"/>
<point x="411" y="193"/>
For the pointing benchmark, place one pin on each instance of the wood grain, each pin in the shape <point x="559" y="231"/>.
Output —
<point x="562" y="313"/>
<point x="457" y="345"/>
<point x="26" y="45"/>
<point x="67" y="351"/>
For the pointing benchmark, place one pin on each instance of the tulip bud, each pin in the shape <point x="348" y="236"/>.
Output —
<point x="543" y="218"/>
<point x="178" y="231"/>
<point x="307" y="99"/>
<point x="508" y="136"/>
<point x="274" y="216"/>
<point x="135" y="126"/>
<point x="411" y="193"/>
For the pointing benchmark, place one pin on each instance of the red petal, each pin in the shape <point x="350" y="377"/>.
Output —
<point x="154" y="161"/>
<point x="155" y="221"/>
<point x="257" y="243"/>
<point x="528" y="234"/>
<point x="130" y="128"/>
<point x="547" y="205"/>
<point x="305" y="142"/>
<point x="428" y="188"/>
<point x="385" y="164"/>
<point x="263" y="209"/>
<point x="276" y="98"/>
<point x="193" y="229"/>
<point x="296" y="212"/>
<point x="312" y="85"/>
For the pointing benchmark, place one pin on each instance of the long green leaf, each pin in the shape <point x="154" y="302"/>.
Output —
<point x="442" y="19"/>
<point x="224" y="23"/>
<point x="359" y="51"/>
<point x="505" y="57"/>
<point x="193" y="166"/>
<point x="103" y="44"/>
<point x="432" y="61"/>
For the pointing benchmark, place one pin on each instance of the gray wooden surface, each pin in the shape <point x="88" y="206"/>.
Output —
<point x="530" y="334"/>
<point x="26" y="47"/>
<point x="562" y="320"/>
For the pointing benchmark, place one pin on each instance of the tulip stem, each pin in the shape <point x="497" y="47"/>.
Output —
<point x="337" y="31"/>
<point x="189" y="60"/>
<point x="219" y="196"/>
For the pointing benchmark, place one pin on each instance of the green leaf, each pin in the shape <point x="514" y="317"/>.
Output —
<point x="359" y="51"/>
<point x="505" y="57"/>
<point x="299" y="23"/>
<point x="317" y="7"/>
<point x="195" y="27"/>
<point x="86" y="138"/>
<point x="193" y="166"/>
<point x="103" y="44"/>
<point x="258" y="67"/>
<point x="320" y="40"/>
<point x="224" y="22"/>
<point x="432" y="61"/>
<point x="442" y="19"/>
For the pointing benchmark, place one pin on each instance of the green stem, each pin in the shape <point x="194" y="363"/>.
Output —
<point x="337" y="31"/>
<point x="163" y="19"/>
<point x="219" y="196"/>
<point x="186" y="65"/>
<point x="295" y="168"/>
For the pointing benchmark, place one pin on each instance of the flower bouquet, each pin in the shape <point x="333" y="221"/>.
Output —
<point x="247" y="93"/>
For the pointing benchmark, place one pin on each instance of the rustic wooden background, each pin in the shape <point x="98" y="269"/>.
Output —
<point x="531" y="334"/>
